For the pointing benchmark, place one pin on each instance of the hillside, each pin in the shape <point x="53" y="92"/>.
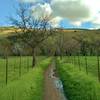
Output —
<point x="7" y="31"/>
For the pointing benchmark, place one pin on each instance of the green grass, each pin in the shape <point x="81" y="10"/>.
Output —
<point x="91" y="62"/>
<point x="13" y="68"/>
<point x="28" y="87"/>
<point x="78" y="85"/>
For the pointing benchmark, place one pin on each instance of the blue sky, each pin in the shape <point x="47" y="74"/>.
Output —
<point x="7" y="9"/>
<point x="66" y="24"/>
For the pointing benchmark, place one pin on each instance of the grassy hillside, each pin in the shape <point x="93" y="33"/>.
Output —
<point x="10" y="30"/>
<point x="5" y="31"/>
<point x="71" y="40"/>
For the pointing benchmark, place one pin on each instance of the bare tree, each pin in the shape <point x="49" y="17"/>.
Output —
<point x="32" y="31"/>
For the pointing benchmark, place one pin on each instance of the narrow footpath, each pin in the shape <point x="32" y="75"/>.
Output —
<point x="53" y="86"/>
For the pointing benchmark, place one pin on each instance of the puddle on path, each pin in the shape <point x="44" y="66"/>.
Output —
<point x="58" y="83"/>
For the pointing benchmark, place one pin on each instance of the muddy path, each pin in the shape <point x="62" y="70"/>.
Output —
<point x="53" y="86"/>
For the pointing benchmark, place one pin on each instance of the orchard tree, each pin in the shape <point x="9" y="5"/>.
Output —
<point x="59" y="43"/>
<point x="32" y="31"/>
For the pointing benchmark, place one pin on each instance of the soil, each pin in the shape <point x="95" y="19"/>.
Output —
<point x="51" y="92"/>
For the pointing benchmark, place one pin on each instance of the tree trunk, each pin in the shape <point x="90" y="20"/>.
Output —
<point x="33" y="58"/>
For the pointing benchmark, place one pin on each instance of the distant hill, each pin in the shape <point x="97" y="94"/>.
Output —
<point x="9" y="31"/>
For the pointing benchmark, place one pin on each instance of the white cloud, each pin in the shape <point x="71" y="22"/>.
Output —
<point x="41" y="10"/>
<point x="70" y="9"/>
<point x="76" y="23"/>
<point x="30" y="1"/>
<point x="77" y="11"/>
<point x="55" y="21"/>
<point x="44" y="10"/>
<point x="96" y="20"/>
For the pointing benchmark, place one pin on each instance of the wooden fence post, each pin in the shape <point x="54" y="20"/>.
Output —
<point x="6" y="70"/>
<point x="27" y="63"/>
<point x="86" y="64"/>
<point x="20" y="66"/>
<point x="79" y="62"/>
<point x="98" y="65"/>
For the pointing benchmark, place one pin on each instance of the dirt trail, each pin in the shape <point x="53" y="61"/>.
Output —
<point x="53" y="90"/>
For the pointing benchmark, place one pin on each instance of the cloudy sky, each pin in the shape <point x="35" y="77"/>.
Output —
<point x="65" y="13"/>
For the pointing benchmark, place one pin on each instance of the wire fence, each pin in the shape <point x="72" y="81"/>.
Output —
<point x="88" y="64"/>
<point x="12" y="68"/>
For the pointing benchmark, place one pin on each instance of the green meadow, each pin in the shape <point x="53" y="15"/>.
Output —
<point x="80" y="62"/>
<point x="78" y="85"/>
<point x="27" y="87"/>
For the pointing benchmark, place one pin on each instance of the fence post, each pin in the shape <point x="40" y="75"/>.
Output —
<point x="27" y="63"/>
<point x="79" y="62"/>
<point x="20" y="66"/>
<point x="86" y="64"/>
<point x="6" y="70"/>
<point x="14" y="64"/>
<point x="98" y="64"/>
<point x="74" y="60"/>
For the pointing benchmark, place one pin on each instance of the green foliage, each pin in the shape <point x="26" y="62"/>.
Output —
<point x="28" y="87"/>
<point x="78" y="85"/>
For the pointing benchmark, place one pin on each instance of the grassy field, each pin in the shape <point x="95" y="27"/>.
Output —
<point x="15" y="68"/>
<point x="29" y="86"/>
<point x="92" y="64"/>
<point x="77" y="84"/>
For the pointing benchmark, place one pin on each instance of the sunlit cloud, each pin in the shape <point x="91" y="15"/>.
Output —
<point x="41" y="10"/>
<point x="55" y="22"/>
<point x="76" y="11"/>
<point x="30" y="1"/>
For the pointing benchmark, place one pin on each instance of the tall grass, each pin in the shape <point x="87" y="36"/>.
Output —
<point x="16" y="68"/>
<point x="92" y="64"/>
<point x="77" y="84"/>
<point x="28" y="87"/>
